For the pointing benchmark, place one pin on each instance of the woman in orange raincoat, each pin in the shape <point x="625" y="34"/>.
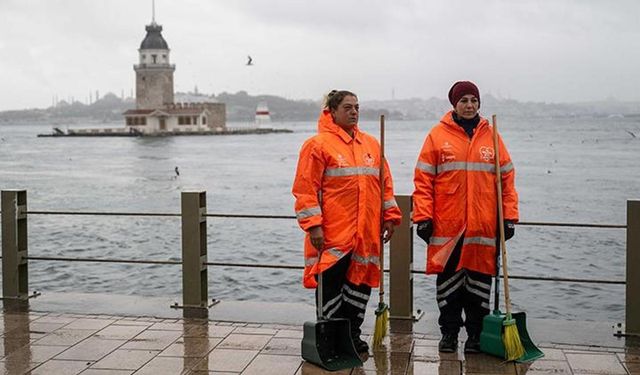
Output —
<point x="338" y="204"/>
<point x="455" y="208"/>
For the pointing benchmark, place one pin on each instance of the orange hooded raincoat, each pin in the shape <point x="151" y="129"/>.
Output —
<point x="337" y="186"/>
<point x="455" y="187"/>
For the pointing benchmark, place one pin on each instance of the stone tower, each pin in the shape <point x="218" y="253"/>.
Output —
<point x="154" y="73"/>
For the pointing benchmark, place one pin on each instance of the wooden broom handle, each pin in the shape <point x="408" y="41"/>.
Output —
<point x="503" y="246"/>
<point x="381" y="182"/>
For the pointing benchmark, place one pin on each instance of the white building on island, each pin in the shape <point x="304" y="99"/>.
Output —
<point x="156" y="112"/>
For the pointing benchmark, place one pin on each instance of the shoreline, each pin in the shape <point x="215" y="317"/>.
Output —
<point x="97" y="133"/>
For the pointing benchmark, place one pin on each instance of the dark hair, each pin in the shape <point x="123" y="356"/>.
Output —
<point x="335" y="97"/>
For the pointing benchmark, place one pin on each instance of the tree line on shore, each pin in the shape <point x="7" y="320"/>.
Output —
<point x="241" y="107"/>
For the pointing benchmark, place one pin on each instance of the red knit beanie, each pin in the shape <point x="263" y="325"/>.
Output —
<point x="462" y="88"/>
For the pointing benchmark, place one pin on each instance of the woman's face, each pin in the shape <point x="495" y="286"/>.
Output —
<point x="346" y="115"/>
<point x="467" y="107"/>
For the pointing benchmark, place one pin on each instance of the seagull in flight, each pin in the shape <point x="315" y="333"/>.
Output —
<point x="249" y="61"/>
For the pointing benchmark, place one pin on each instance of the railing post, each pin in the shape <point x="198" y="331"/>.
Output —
<point x="195" y="295"/>
<point x="401" y="264"/>
<point x="15" y="271"/>
<point x="632" y="319"/>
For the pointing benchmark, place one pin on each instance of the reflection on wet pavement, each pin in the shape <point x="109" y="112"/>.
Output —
<point x="48" y="343"/>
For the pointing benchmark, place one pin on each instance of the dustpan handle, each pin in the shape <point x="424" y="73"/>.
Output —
<point x="496" y="294"/>
<point x="319" y="314"/>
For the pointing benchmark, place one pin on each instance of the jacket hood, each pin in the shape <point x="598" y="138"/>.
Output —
<point x="326" y="124"/>
<point x="447" y="119"/>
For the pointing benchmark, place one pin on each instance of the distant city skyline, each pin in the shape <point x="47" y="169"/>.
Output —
<point x="542" y="51"/>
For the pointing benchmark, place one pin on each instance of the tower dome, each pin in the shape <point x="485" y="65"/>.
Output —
<point x="154" y="39"/>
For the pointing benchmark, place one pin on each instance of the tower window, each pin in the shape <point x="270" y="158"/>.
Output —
<point x="154" y="57"/>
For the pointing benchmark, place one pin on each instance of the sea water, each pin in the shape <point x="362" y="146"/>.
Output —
<point x="579" y="170"/>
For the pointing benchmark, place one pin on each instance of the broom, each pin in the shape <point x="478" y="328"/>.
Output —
<point x="510" y="338"/>
<point x="382" y="312"/>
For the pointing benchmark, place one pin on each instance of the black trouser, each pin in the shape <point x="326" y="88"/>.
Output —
<point x="463" y="290"/>
<point x="342" y="299"/>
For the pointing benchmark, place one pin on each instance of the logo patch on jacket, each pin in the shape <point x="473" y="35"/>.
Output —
<point x="368" y="160"/>
<point x="342" y="161"/>
<point x="486" y="153"/>
<point x="446" y="153"/>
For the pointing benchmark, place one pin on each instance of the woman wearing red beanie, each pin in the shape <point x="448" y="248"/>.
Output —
<point x="455" y="208"/>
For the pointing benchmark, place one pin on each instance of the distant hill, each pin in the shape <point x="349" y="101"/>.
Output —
<point x="241" y="107"/>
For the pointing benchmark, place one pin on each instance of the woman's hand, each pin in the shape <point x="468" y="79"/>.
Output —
<point x="317" y="237"/>
<point x="387" y="230"/>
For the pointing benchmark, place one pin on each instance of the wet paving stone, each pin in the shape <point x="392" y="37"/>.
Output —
<point x="106" y="344"/>
<point x="246" y="342"/>
<point x="595" y="363"/>
<point x="191" y="347"/>
<point x="152" y="340"/>
<point x="123" y="359"/>
<point x="230" y="360"/>
<point x="282" y="346"/>
<point x="120" y="332"/>
<point x="265" y="364"/>
<point x="544" y="367"/>
<point x="91" y="349"/>
<point x="168" y="366"/>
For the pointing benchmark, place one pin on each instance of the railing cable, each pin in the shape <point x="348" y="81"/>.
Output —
<point x="257" y="216"/>
<point x="291" y="267"/>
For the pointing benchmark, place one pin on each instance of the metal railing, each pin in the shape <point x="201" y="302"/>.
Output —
<point x="195" y="263"/>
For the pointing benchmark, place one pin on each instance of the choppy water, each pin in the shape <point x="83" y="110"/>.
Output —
<point x="569" y="170"/>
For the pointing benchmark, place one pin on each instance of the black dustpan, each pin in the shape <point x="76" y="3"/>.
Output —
<point x="327" y="342"/>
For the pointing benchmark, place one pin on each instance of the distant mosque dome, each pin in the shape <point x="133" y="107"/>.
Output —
<point x="154" y="39"/>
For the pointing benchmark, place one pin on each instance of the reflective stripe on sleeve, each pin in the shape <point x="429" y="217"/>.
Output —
<point x="335" y="252"/>
<point x="425" y="167"/>
<point x="308" y="262"/>
<point x="506" y="168"/>
<point x="308" y="212"/>
<point x="390" y="204"/>
<point x="351" y="171"/>
<point x="365" y="260"/>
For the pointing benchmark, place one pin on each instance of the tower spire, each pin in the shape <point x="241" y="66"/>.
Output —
<point x="153" y="11"/>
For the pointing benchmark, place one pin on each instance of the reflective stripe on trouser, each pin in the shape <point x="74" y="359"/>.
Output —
<point x="459" y="291"/>
<point x="342" y="299"/>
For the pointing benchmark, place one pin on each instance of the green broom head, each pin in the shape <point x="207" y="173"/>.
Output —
<point x="382" y="323"/>
<point x="513" y="348"/>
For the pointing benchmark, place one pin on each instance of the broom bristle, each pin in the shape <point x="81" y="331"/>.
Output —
<point x="382" y="323"/>
<point x="512" y="344"/>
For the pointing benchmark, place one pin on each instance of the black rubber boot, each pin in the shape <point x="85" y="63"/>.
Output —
<point x="472" y="345"/>
<point x="448" y="343"/>
<point x="360" y="345"/>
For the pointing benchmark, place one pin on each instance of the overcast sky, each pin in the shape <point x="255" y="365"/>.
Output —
<point x="549" y="51"/>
